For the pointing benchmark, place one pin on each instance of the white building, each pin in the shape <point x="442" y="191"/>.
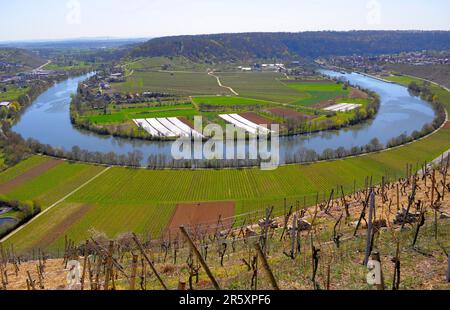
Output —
<point x="5" y="104"/>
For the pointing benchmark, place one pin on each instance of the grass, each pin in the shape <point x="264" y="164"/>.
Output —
<point x="122" y="115"/>
<point x="403" y="80"/>
<point x="12" y="93"/>
<point x="318" y="92"/>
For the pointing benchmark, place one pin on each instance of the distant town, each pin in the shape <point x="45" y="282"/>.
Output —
<point x="377" y="63"/>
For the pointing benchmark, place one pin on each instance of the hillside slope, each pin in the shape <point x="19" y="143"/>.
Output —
<point x="13" y="60"/>
<point x="246" y="46"/>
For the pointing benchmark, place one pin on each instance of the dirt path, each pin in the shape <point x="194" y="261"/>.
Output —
<point x="221" y="85"/>
<point x="29" y="175"/>
<point x="43" y="66"/>
<point x="54" y="205"/>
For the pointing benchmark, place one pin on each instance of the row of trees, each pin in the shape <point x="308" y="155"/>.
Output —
<point x="306" y="156"/>
<point x="132" y="159"/>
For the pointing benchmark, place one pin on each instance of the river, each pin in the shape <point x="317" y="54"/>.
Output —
<point x="48" y="121"/>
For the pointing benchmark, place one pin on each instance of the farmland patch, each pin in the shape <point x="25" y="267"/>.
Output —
<point x="57" y="231"/>
<point x="291" y="114"/>
<point x="196" y="215"/>
<point x="29" y="175"/>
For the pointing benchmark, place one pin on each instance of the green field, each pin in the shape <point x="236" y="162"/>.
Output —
<point x="49" y="186"/>
<point x="12" y="93"/>
<point x="24" y="166"/>
<point x="403" y="80"/>
<point x="161" y="63"/>
<point x="121" y="115"/>
<point x="177" y="83"/>
<point x="261" y="85"/>
<point x="228" y="101"/>
<point x="142" y="200"/>
<point x="318" y="92"/>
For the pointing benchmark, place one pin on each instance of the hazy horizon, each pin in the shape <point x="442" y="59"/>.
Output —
<point x="47" y="20"/>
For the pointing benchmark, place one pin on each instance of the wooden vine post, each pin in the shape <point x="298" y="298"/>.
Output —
<point x="141" y="248"/>
<point x="109" y="265"/>
<point x="134" y="264"/>
<point x="266" y="266"/>
<point x="200" y="258"/>
<point x="370" y="228"/>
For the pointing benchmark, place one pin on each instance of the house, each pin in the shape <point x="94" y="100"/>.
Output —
<point x="5" y="104"/>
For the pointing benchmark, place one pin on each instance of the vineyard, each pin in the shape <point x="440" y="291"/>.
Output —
<point x="396" y="232"/>
<point x="141" y="200"/>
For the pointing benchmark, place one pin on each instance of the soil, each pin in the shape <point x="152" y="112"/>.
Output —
<point x="291" y="114"/>
<point x="447" y="126"/>
<point x="193" y="215"/>
<point x="257" y="119"/>
<point x="356" y="93"/>
<point x="186" y="122"/>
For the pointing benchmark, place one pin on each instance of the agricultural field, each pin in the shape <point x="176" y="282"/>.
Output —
<point x="12" y="93"/>
<point x="266" y="86"/>
<point x="166" y="64"/>
<point x="67" y="68"/>
<point x="119" y="114"/>
<point x="437" y="73"/>
<point x="122" y="200"/>
<point x="177" y="83"/>
<point x="213" y="93"/>
<point x="44" y="180"/>
<point x="226" y="101"/>
<point x="318" y="92"/>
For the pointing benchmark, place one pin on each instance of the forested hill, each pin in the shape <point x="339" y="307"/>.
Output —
<point x="290" y="45"/>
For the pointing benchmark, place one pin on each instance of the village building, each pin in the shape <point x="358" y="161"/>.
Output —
<point x="5" y="104"/>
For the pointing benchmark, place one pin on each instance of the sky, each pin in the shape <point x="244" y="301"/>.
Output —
<point x="63" y="19"/>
